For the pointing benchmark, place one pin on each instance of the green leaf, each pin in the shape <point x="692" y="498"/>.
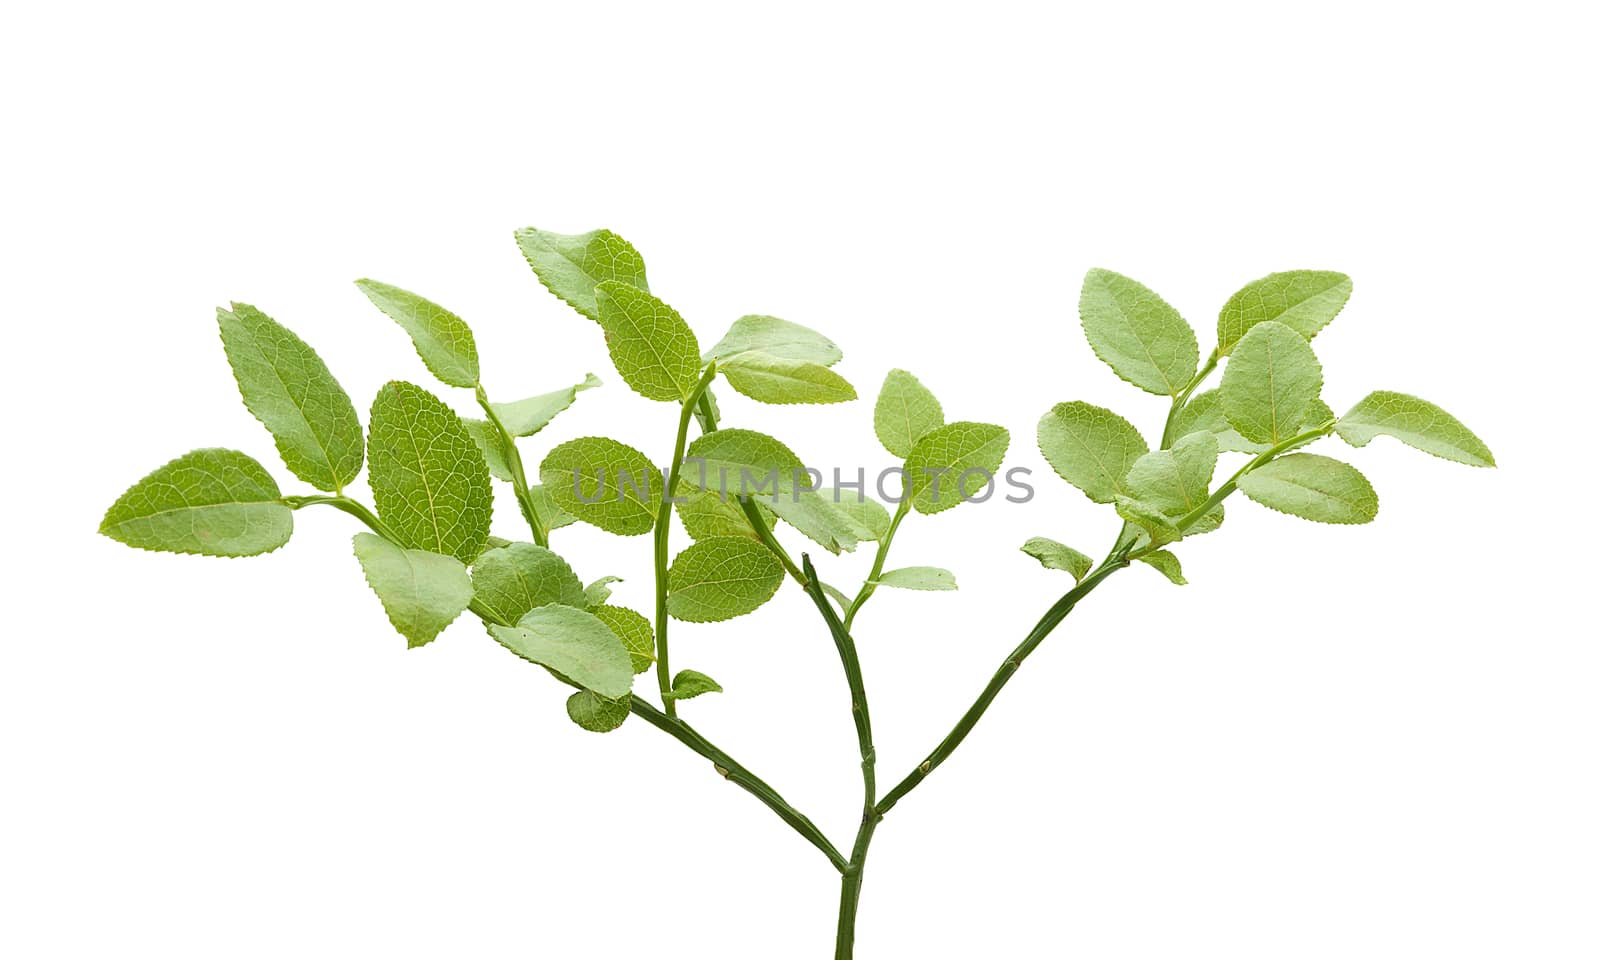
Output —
<point x="1158" y="527"/>
<point x="743" y="463"/>
<point x="1303" y="300"/>
<point x="288" y="388"/>
<point x="524" y="418"/>
<point x="572" y="265"/>
<point x="1178" y="480"/>
<point x="653" y="349"/>
<point x="509" y="581"/>
<point x="633" y="630"/>
<point x="421" y="592"/>
<point x="1270" y="382"/>
<point x="721" y="578"/>
<point x="1137" y="333"/>
<point x="1415" y="422"/>
<point x="775" y="338"/>
<point x="1091" y="448"/>
<point x="689" y="684"/>
<point x="772" y="379"/>
<point x="1317" y="414"/>
<point x="219" y="503"/>
<point x="595" y="713"/>
<point x="487" y="439"/>
<point x="905" y="413"/>
<point x="954" y="462"/>
<point x="428" y="477"/>
<point x="1203" y="413"/>
<point x="870" y="516"/>
<point x="824" y="522"/>
<point x="551" y="512"/>
<point x="574" y="643"/>
<point x="1314" y="487"/>
<point x="837" y="595"/>
<point x="443" y="340"/>
<point x="604" y="482"/>
<point x="1055" y="555"/>
<point x="919" y="578"/>
<point x="599" y="591"/>
<point x="705" y="514"/>
<point x="1164" y="561"/>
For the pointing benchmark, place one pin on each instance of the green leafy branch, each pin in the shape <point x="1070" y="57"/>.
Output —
<point x="428" y="555"/>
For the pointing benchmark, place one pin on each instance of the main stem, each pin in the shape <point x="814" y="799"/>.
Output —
<point x="519" y="478"/>
<point x="663" y="528"/>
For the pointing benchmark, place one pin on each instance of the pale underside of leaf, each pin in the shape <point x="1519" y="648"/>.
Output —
<point x="595" y="713"/>
<point x="524" y="418"/>
<point x="575" y="644"/>
<point x="421" y="592"/>
<point x="1055" y="555"/>
<point x="918" y="578"/>
<point x="1167" y="563"/>
<point x="777" y="338"/>
<point x="780" y="380"/>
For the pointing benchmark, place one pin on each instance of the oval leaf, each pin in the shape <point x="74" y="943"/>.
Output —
<point x="721" y="578"/>
<point x="775" y="338"/>
<point x="1204" y="413"/>
<point x="653" y="349"/>
<point x="428" y="478"/>
<point x="633" y="630"/>
<point x="1167" y="563"/>
<point x="689" y="684"/>
<point x="1091" y="448"/>
<point x="953" y="463"/>
<point x="604" y="482"/>
<point x="1178" y="480"/>
<point x="905" y="413"/>
<point x="1269" y="383"/>
<point x="524" y="418"/>
<point x="773" y="379"/>
<point x="1415" y="422"/>
<point x="595" y="713"/>
<point x="572" y="265"/>
<point x="1303" y="300"/>
<point x="574" y="643"/>
<point x="219" y="503"/>
<point x="706" y="514"/>
<point x="919" y="578"/>
<point x="1055" y="555"/>
<point x="1313" y="487"/>
<point x="1137" y="333"/>
<point x="288" y="388"/>
<point x="511" y="580"/>
<point x="443" y="340"/>
<point x="421" y="592"/>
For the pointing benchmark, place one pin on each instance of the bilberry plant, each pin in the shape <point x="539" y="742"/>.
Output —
<point x="428" y="555"/>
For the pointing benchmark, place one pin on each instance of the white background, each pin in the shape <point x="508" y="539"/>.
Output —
<point x="1375" y="741"/>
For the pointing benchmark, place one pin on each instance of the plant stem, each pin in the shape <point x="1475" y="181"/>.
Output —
<point x="850" y="884"/>
<point x="681" y="731"/>
<point x="1182" y="399"/>
<point x="870" y="585"/>
<point x="1008" y="668"/>
<point x="354" y="508"/>
<point x="519" y="479"/>
<point x="663" y="529"/>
